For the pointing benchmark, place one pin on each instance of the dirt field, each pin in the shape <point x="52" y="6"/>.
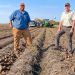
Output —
<point x="40" y="59"/>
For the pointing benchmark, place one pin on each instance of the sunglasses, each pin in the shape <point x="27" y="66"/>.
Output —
<point x="66" y="5"/>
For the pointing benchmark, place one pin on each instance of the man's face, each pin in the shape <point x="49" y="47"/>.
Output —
<point x="22" y="7"/>
<point x="67" y="7"/>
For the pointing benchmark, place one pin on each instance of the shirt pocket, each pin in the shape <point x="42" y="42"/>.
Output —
<point x="18" y="17"/>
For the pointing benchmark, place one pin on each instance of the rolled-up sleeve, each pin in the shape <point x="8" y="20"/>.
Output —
<point x="12" y="16"/>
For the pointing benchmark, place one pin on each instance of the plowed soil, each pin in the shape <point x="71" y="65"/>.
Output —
<point x="41" y="58"/>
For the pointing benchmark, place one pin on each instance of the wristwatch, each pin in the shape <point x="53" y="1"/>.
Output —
<point x="72" y="28"/>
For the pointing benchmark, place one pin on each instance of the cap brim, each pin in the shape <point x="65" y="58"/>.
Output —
<point x="67" y="5"/>
<point x="22" y="5"/>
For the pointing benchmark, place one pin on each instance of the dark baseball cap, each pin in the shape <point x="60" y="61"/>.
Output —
<point x="67" y="4"/>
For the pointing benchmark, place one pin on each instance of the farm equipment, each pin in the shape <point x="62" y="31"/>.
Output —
<point x="38" y="24"/>
<point x="46" y="23"/>
<point x="52" y="23"/>
<point x="33" y="23"/>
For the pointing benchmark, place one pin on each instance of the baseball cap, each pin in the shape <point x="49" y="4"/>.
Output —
<point x="67" y="4"/>
<point x="22" y="4"/>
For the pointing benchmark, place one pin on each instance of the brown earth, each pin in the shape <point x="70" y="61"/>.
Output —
<point x="6" y="35"/>
<point x="41" y="59"/>
<point x="7" y="53"/>
<point x="56" y="62"/>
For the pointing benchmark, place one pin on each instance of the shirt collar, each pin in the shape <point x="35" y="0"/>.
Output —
<point x="21" y="12"/>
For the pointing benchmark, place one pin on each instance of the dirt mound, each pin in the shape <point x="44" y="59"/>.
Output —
<point x="25" y="63"/>
<point x="8" y="56"/>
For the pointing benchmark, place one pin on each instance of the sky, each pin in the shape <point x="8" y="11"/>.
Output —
<point x="42" y="9"/>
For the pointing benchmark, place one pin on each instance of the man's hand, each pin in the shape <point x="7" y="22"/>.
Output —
<point x="60" y="24"/>
<point x="11" y="26"/>
<point x="27" y="28"/>
<point x="59" y="30"/>
<point x="71" y="31"/>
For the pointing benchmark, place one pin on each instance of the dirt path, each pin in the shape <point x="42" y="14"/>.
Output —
<point x="56" y="62"/>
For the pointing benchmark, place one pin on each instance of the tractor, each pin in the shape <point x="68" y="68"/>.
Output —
<point x="46" y="23"/>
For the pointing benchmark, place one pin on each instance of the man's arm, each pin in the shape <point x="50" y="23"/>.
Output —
<point x="12" y="17"/>
<point x="60" y="24"/>
<point x="73" y="24"/>
<point x="10" y="23"/>
<point x="28" y="26"/>
<point x="28" y="20"/>
<point x="73" y="18"/>
<point x="72" y="29"/>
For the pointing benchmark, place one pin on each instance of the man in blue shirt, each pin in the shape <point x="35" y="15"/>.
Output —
<point x="20" y="25"/>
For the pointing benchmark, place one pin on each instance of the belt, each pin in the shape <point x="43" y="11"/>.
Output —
<point x="68" y="26"/>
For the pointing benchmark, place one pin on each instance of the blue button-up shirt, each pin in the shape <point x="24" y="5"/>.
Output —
<point x="20" y="20"/>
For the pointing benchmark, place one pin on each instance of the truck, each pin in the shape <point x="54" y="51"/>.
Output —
<point x="33" y="23"/>
<point x="38" y="24"/>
